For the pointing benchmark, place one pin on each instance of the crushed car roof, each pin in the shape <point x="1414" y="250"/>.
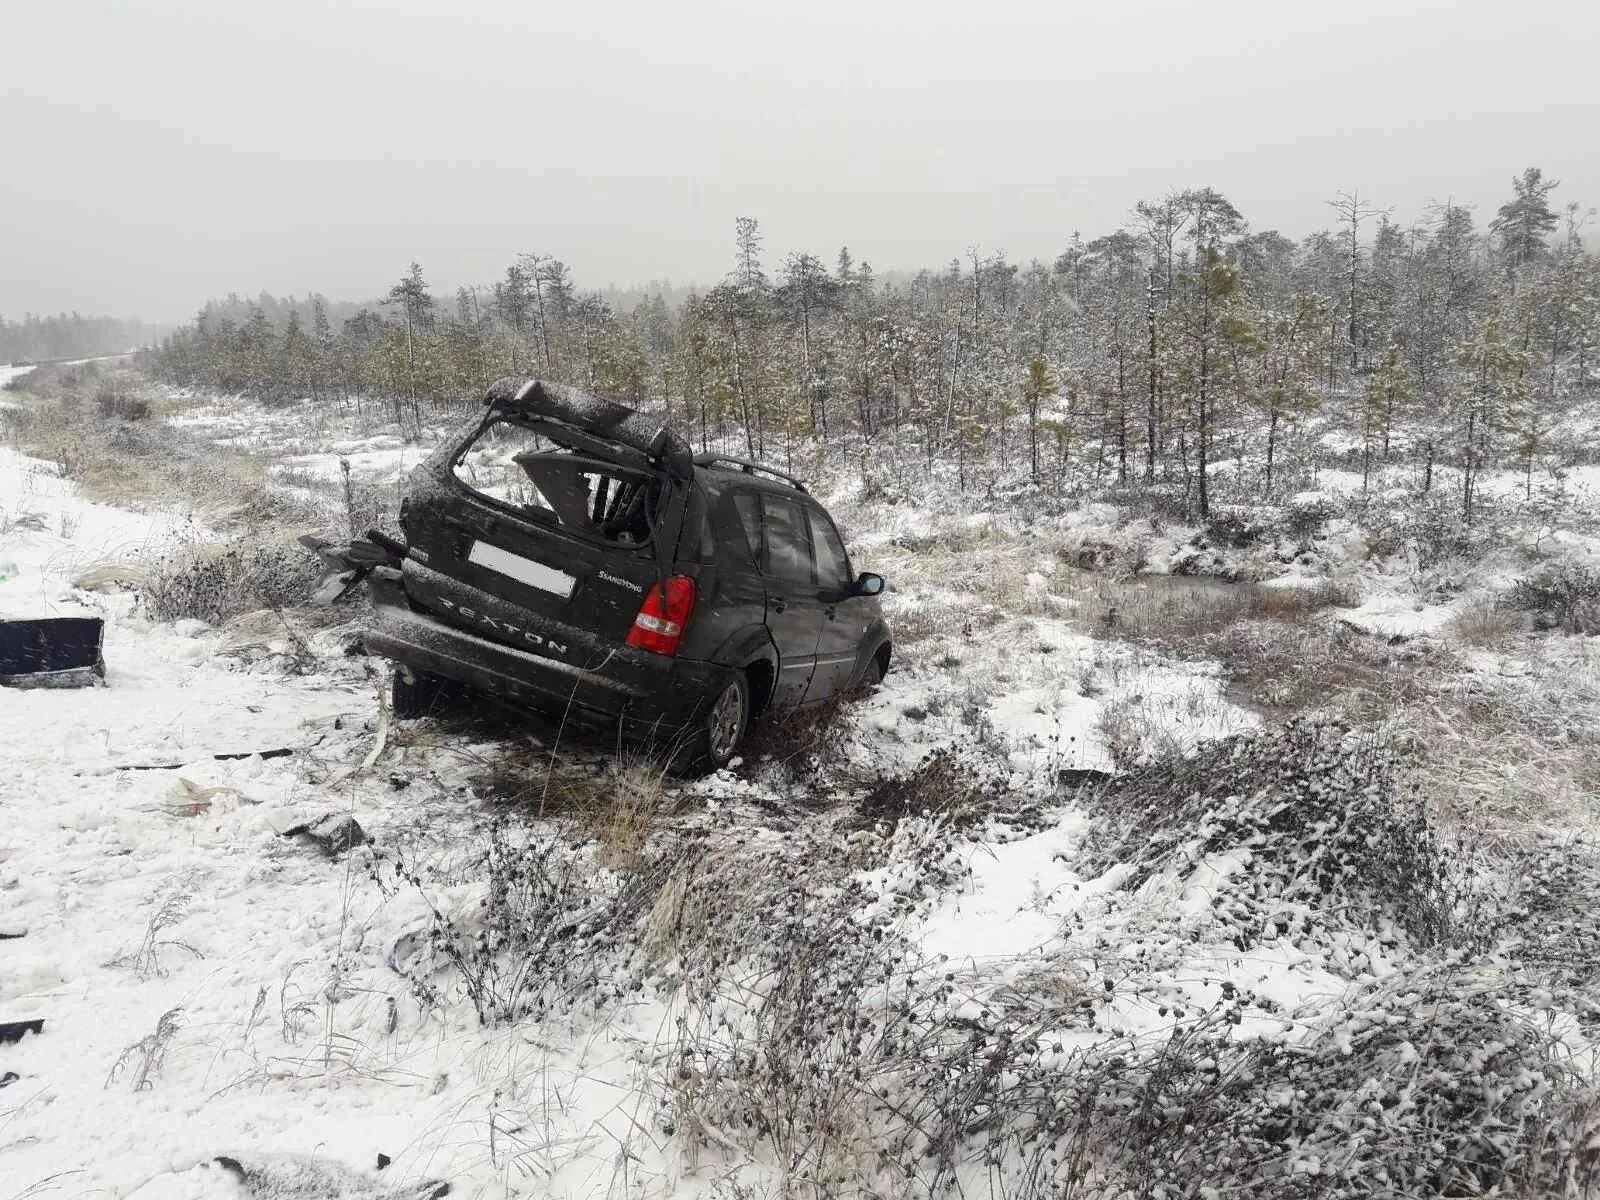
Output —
<point x="593" y="416"/>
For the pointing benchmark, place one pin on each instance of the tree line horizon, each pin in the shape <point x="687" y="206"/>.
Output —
<point x="1130" y="358"/>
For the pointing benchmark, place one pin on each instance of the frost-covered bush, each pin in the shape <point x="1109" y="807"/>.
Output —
<point x="1564" y="595"/>
<point x="1234" y="527"/>
<point x="1200" y="557"/>
<point x="115" y="400"/>
<point x="1543" y="905"/>
<point x="1443" y="1081"/>
<point x="815" y="1037"/>
<point x="539" y="937"/>
<point x="958" y="786"/>
<point x="825" y="1042"/>
<point x="1305" y="822"/>
<point x="1429" y="527"/>
<point x="215" y="583"/>
<point x="1308" y="513"/>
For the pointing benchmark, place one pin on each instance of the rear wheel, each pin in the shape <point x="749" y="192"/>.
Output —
<point x="726" y="722"/>
<point x="873" y="675"/>
<point x="415" y="693"/>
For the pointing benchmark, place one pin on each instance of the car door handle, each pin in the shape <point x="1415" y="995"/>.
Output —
<point x="830" y="611"/>
<point x="779" y="604"/>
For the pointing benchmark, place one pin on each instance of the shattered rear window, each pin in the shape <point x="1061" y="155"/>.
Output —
<point x="517" y="468"/>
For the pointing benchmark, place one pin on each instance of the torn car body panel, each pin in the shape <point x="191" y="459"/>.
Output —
<point x="52" y="652"/>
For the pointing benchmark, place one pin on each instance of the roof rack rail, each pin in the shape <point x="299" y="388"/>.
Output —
<point x="749" y="467"/>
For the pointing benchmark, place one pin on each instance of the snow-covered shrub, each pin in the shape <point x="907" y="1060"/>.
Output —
<point x="1563" y="595"/>
<point x="1233" y="527"/>
<point x="214" y="583"/>
<point x="118" y="400"/>
<point x="1486" y="622"/>
<point x="371" y="504"/>
<point x="823" y="1042"/>
<point x="1308" y="513"/>
<point x="1429" y="528"/>
<point x="1124" y="551"/>
<point x="1162" y="503"/>
<point x="1199" y="557"/>
<point x="919" y="621"/>
<point x="958" y="786"/>
<point x="1547" y="913"/>
<point x="878" y="487"/>
<point x="803" y="745"/>
<point x="535" y="941"/>
<point x="1443" y="1081"/>
<point x="1311" y="816"/>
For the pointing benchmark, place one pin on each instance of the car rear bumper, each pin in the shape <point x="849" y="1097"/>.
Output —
<point x="645" y="692"/>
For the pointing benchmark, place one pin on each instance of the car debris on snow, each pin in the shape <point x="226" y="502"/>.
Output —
<point x="292" y="1177"/>
<point x="332" y="834"/>
<point x="280" y="1177"/>
<point x="52" y="652"/>
<point x="12" y="1031"/>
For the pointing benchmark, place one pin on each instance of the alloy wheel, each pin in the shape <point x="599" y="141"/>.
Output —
<point x="726" y="722"/>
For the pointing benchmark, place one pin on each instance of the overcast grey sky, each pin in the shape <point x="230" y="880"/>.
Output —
<point x="157" y="152"/>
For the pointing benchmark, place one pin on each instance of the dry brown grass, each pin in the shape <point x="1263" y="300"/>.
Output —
<point x="1504" y="754"/>
<point x="217" y="582"/>
<point x="628" y="809"/>
<point x="1487" y="624"/>
<point x="925" y="620"/>
<point x="143" y="465"/>
<point x="1282" y="668"/>
<point x="1175" y="610"/>
<point x="618" y="804"/>
<point x="517" y="774"/>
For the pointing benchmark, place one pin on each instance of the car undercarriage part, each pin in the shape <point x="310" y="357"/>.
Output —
<point x="347" y="564"/>
<point x="54" y="652"/>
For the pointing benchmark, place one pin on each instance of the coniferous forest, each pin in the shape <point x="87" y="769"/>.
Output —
<point x="72" y="335"/>
<point x="1187" y="349"/>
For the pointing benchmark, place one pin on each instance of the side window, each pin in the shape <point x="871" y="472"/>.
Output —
<point x="788" y="554"/>
<point x="833" y="566"/>
<point x="750" y="517"/>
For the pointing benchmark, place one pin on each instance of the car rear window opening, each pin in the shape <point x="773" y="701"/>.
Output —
<point x="516" y="468"/>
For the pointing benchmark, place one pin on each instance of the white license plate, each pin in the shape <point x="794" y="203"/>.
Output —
<point x="523" y="570"/>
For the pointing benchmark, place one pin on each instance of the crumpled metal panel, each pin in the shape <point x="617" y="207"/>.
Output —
<point x="60" y="652"/>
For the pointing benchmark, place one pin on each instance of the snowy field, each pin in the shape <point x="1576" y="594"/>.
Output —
<point x="211" y="987"/>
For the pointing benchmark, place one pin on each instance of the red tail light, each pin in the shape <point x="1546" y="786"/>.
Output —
<point x="659" y="625"/>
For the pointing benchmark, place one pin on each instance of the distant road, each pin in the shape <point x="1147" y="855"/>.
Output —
<point x="9" y="372"/>
<point x="68" y="362"/>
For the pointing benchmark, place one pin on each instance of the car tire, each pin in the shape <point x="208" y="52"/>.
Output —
<point x="871" y="677"/>
<point x="414" y="694"/>
<point x="726" y="722"/>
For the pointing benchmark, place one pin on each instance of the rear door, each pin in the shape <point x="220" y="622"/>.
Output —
<point x="845" y="616"/>
<point x="544" y="530"/>
<point x="794" y="614"/>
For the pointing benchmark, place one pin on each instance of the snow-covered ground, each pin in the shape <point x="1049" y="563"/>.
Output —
<point x="211" y="987"/>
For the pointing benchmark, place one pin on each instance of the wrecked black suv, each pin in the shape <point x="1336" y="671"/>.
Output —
<point x="568" y="554"/>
